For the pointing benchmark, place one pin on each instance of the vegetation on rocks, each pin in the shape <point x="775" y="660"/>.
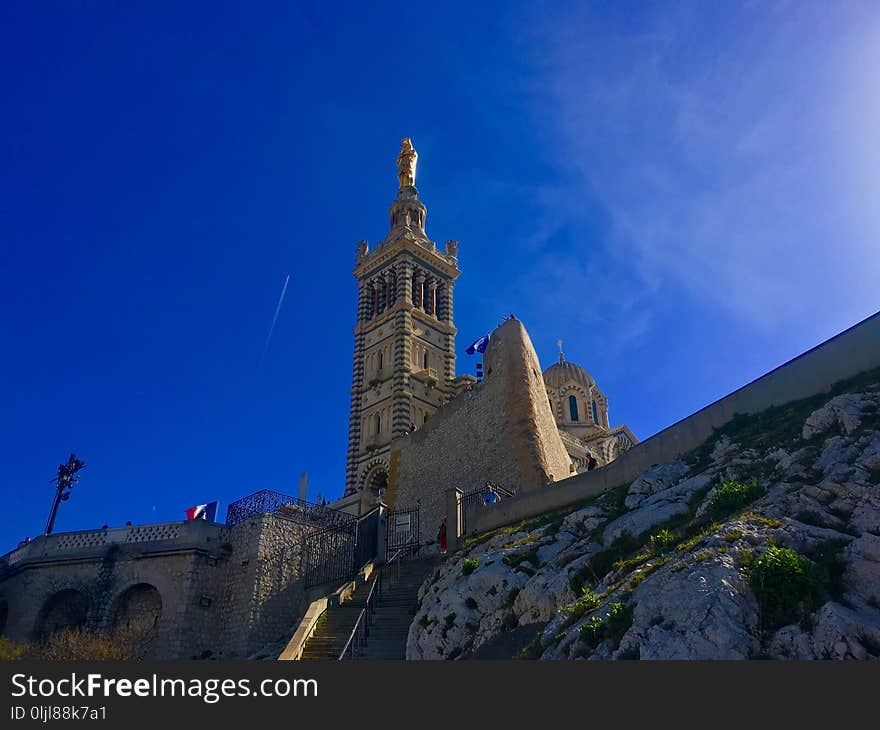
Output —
<point x="763" y="542"/>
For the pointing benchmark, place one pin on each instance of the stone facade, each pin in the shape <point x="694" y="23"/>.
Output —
<point x="404" y="340"/>
<point x="501" y="430"/>
<point x="581" y="411"/>
<point x="210" y="590"/>
<point x="416" y="430"/>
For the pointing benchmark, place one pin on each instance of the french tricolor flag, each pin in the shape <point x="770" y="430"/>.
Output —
<point x="203" y="512"/>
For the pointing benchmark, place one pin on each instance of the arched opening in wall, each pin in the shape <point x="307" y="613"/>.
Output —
<point x="4" y="615"/>
<point x="378" y="482"/>
<point x="67" y="609"/>
<point x="595" y="414"/>
<point x="573" y="408"/>
<point x="138" y="607"/>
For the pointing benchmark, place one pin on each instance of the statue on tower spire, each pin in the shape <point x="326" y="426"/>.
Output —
<point x="406" y="164"/>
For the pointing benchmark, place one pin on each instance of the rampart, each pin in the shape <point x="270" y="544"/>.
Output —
<point x="502" y="430"/>
<point x="853" y="351"/>
<point x="210" y="590"/>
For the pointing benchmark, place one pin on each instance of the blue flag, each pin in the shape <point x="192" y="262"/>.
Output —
<point x="478" y="345"/>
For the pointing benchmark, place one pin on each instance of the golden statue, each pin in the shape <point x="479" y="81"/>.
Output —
<point x="406" y="163"/>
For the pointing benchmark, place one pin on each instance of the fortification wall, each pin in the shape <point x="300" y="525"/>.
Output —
<point x="501" y="430"/>
<point x="223" y="591"/>
<point x="261" y="585"/>
<point x="96" y="568"/>
<point x="853" y="351"/>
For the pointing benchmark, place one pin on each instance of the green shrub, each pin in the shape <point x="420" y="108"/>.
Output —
<point x="786" y="585"/>
<point x="662" y="541"/>
<point x="617" y="621"/>
<point x="469" y="566"/>
<point x="589" y="601"/>
<point x="591" y="632"/>
<point x="731" y="496"/>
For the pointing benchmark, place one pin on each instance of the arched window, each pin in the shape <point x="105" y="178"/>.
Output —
<point x="379" y="366"/>
<point x="426" y="361"/>
<point x="573" y="408"/>
<point x="378" y="423"/>
<point x="595" y="414"/>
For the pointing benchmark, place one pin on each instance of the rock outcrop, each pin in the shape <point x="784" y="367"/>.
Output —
<point x="762" y="543"/>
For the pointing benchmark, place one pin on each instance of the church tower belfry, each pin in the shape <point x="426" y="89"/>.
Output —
<point x="404" y="337"/>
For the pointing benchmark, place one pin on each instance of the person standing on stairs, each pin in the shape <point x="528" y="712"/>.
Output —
<point x="441" y="537"/>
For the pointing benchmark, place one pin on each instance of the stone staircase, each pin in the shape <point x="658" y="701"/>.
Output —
<point x="393" y="615"/>
<point x="395" y="611"/>
<point x="330" y="637"/>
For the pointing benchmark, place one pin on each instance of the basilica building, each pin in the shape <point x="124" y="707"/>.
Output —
<point x="581" y="412"/>
<point x="404" y="353"/>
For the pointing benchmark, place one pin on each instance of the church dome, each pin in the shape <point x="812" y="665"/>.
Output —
<point x="564" y="372"/>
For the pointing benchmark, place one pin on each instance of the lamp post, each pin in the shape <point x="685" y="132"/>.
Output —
<point x="64" y="483"/>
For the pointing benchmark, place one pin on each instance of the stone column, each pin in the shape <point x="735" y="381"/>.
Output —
<point x="357" y="384"/>
<point x="449" y="338"/>
<point x="431" y="296"/>
<point x="420" y="290"/>
<point x="404" y="283"/>
<point x="453" y="518"/>
<point x="388" y="277"/>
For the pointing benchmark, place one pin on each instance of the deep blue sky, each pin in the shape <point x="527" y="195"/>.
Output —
<point x="685" y="193"/>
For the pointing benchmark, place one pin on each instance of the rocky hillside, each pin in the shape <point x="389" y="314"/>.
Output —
<point x="762" y="543"/>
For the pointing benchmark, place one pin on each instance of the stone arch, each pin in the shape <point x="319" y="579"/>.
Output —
<point x="583" y="402"/>
<point x="375" y="475"/>
<point x="64" y="609"/>
<point x="138" y="605"/>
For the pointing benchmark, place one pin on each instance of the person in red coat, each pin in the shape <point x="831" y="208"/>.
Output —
<point x="441" y="537"/>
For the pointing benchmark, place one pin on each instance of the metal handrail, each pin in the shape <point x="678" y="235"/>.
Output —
<point x="349" y="645"/>
<point x="364" y="619"/>
<point x="361" y="631"/>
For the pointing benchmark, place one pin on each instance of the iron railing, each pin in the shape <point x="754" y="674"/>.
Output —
<point x="337" y="552"/>
<point x="474" y="500"/>
<point x="266" y="501"/>
<point x="357" y="640"/>
<point x="402" y="529"/>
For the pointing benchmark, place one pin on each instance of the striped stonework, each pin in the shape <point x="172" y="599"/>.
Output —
<point x="404" y="340"/>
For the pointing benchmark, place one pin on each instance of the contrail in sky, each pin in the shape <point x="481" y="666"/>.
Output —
<point x="274" y="320"/>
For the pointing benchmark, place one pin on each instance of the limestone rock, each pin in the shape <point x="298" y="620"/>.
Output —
<point x="656" y="479"/>
<point x="584" y="521"/>
<point x="690" y="600"/>
<point x="657" y="509"/>
<point x="844" y="411"/>
<point x="838" y="633"/>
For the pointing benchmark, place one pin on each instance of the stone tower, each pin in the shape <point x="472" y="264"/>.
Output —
<point x="404" y="339"/>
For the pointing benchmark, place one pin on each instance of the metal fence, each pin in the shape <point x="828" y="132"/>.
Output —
<point x="338" y="552"/>
<point x="402" y="529"/>
<point x="283" y="505"/>
<point x="474" y="501"/>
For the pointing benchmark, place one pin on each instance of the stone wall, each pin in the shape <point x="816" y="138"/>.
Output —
<point x="101" y="568"/>
<point x="501" y="430"/>
<point x="216" y="591"/>
<point x="850" y="353"/>
<point x="261" y="587"/>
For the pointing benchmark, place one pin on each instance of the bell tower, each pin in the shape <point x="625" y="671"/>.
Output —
<point x="404" y="337"/>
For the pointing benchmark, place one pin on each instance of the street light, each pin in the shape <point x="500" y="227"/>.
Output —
<point x="64" y="483"/>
